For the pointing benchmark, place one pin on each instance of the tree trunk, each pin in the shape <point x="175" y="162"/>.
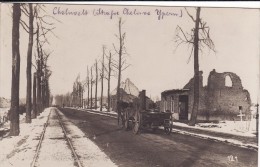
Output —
<point x="96" y="85"/>
<point x="43" y="93"/>
<point x="39" y="90"/>
<point x="39" y="71"/>
<point x="14" y="111"/>
<point x="41" y="77"/>
<point x="29" y="67"/>
<point x="82" y="97"/>
<point x="119" y="72"/>
<point x="71" y="100"/>
<point x="102" y="80"/>
<point x="34" y="114"/>
<point x="91" y="85"/>
<point x="47" y="94"/>
<point x="108" y="83"/>
<point x="196" y="71"/>
<point x="78" y="95"/>
<point x="88" y="87"/>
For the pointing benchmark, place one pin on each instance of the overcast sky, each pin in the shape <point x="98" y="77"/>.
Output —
<point x="149" y="41"/>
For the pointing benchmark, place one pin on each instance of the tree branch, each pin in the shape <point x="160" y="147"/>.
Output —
<point x="115" y="48"/>
<point x="190" y="15"/>
<point x="126" y="67"/>
<point x="24" y="25"/>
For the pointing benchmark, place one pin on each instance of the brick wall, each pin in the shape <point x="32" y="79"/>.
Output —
<point x="217" y="101"/>
<point x="223" y="100"/>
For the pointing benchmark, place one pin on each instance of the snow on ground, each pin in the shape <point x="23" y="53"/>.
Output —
<point x="90" y="154"/>
<point x="3" y="113"/>
<point x="6" y="125"/>
<point x="98" y="112"/>
<point x="104" y="110"/>
<point x="231" y="141"/>
<point x="19" y="150"/>
<point x="244" y="128"/>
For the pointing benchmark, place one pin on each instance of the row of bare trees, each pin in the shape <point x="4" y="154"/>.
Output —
<point x="199" y="38"/>
<point x="98" y="72"/>
<point x="116" y="64"/>
<point x="112" y="63"/>
<point x="32" y="18"/>
<point x="77" y="94"/>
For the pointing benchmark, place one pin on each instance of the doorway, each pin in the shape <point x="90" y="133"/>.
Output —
<point x="183" y="107"/>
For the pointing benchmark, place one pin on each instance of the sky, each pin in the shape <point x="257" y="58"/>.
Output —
<point x="155" y="64"/>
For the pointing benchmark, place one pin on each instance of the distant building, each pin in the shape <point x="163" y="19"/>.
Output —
<point x="220" y="99"/>
<point x="128" y="87"/>
<point x="129" y="92"/>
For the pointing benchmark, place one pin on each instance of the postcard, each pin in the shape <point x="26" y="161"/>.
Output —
<point x="128" y="85"/>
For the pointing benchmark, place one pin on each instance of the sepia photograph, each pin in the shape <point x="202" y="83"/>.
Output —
<point x="129" y="85"/>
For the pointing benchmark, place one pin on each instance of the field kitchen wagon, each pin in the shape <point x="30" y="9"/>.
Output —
<point x="135" y="116"/>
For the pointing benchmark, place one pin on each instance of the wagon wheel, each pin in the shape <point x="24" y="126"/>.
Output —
<point x="154" y="129"/>
<point x="137" y="123"/>
<point x="126" y="120"/>
<point x="168" y="130"/>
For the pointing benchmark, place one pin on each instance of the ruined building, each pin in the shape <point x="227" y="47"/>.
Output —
<point x="219" y="100"/>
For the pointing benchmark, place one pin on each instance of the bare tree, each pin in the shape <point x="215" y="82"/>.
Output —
<point x="91" y="85"/>
<point x="44" y="26"/>
<point x="39" y="73"/>
<point x="88" y="82"/>
<point x="120" y="65"/>
<point x="43" y="74"/>
<point x="31" y="15"/>
<point x="34" y="112"/>
<point x="198" y="39"/>
<point x="14" y="111"/>
<point x="77" y="92"/>
<point x="80" y="94"/>
<point x="108" y="77"/>
<point x="45" y="80"/>
<point x="63" y="100"/>
<point x="102" y="78"/>
<point x="71" y="100"/>
<point x="73" y="94"/>
<point x="96" y="82"/>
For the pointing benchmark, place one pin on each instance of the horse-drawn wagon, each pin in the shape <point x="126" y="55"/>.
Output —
<point x="135" y="116"/>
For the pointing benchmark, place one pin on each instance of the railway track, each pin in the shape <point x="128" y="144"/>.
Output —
<point x="40" y="142"/>
<point x="75" y="156"/>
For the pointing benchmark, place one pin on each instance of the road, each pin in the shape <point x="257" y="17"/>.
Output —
<point x="156" y="149"/>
